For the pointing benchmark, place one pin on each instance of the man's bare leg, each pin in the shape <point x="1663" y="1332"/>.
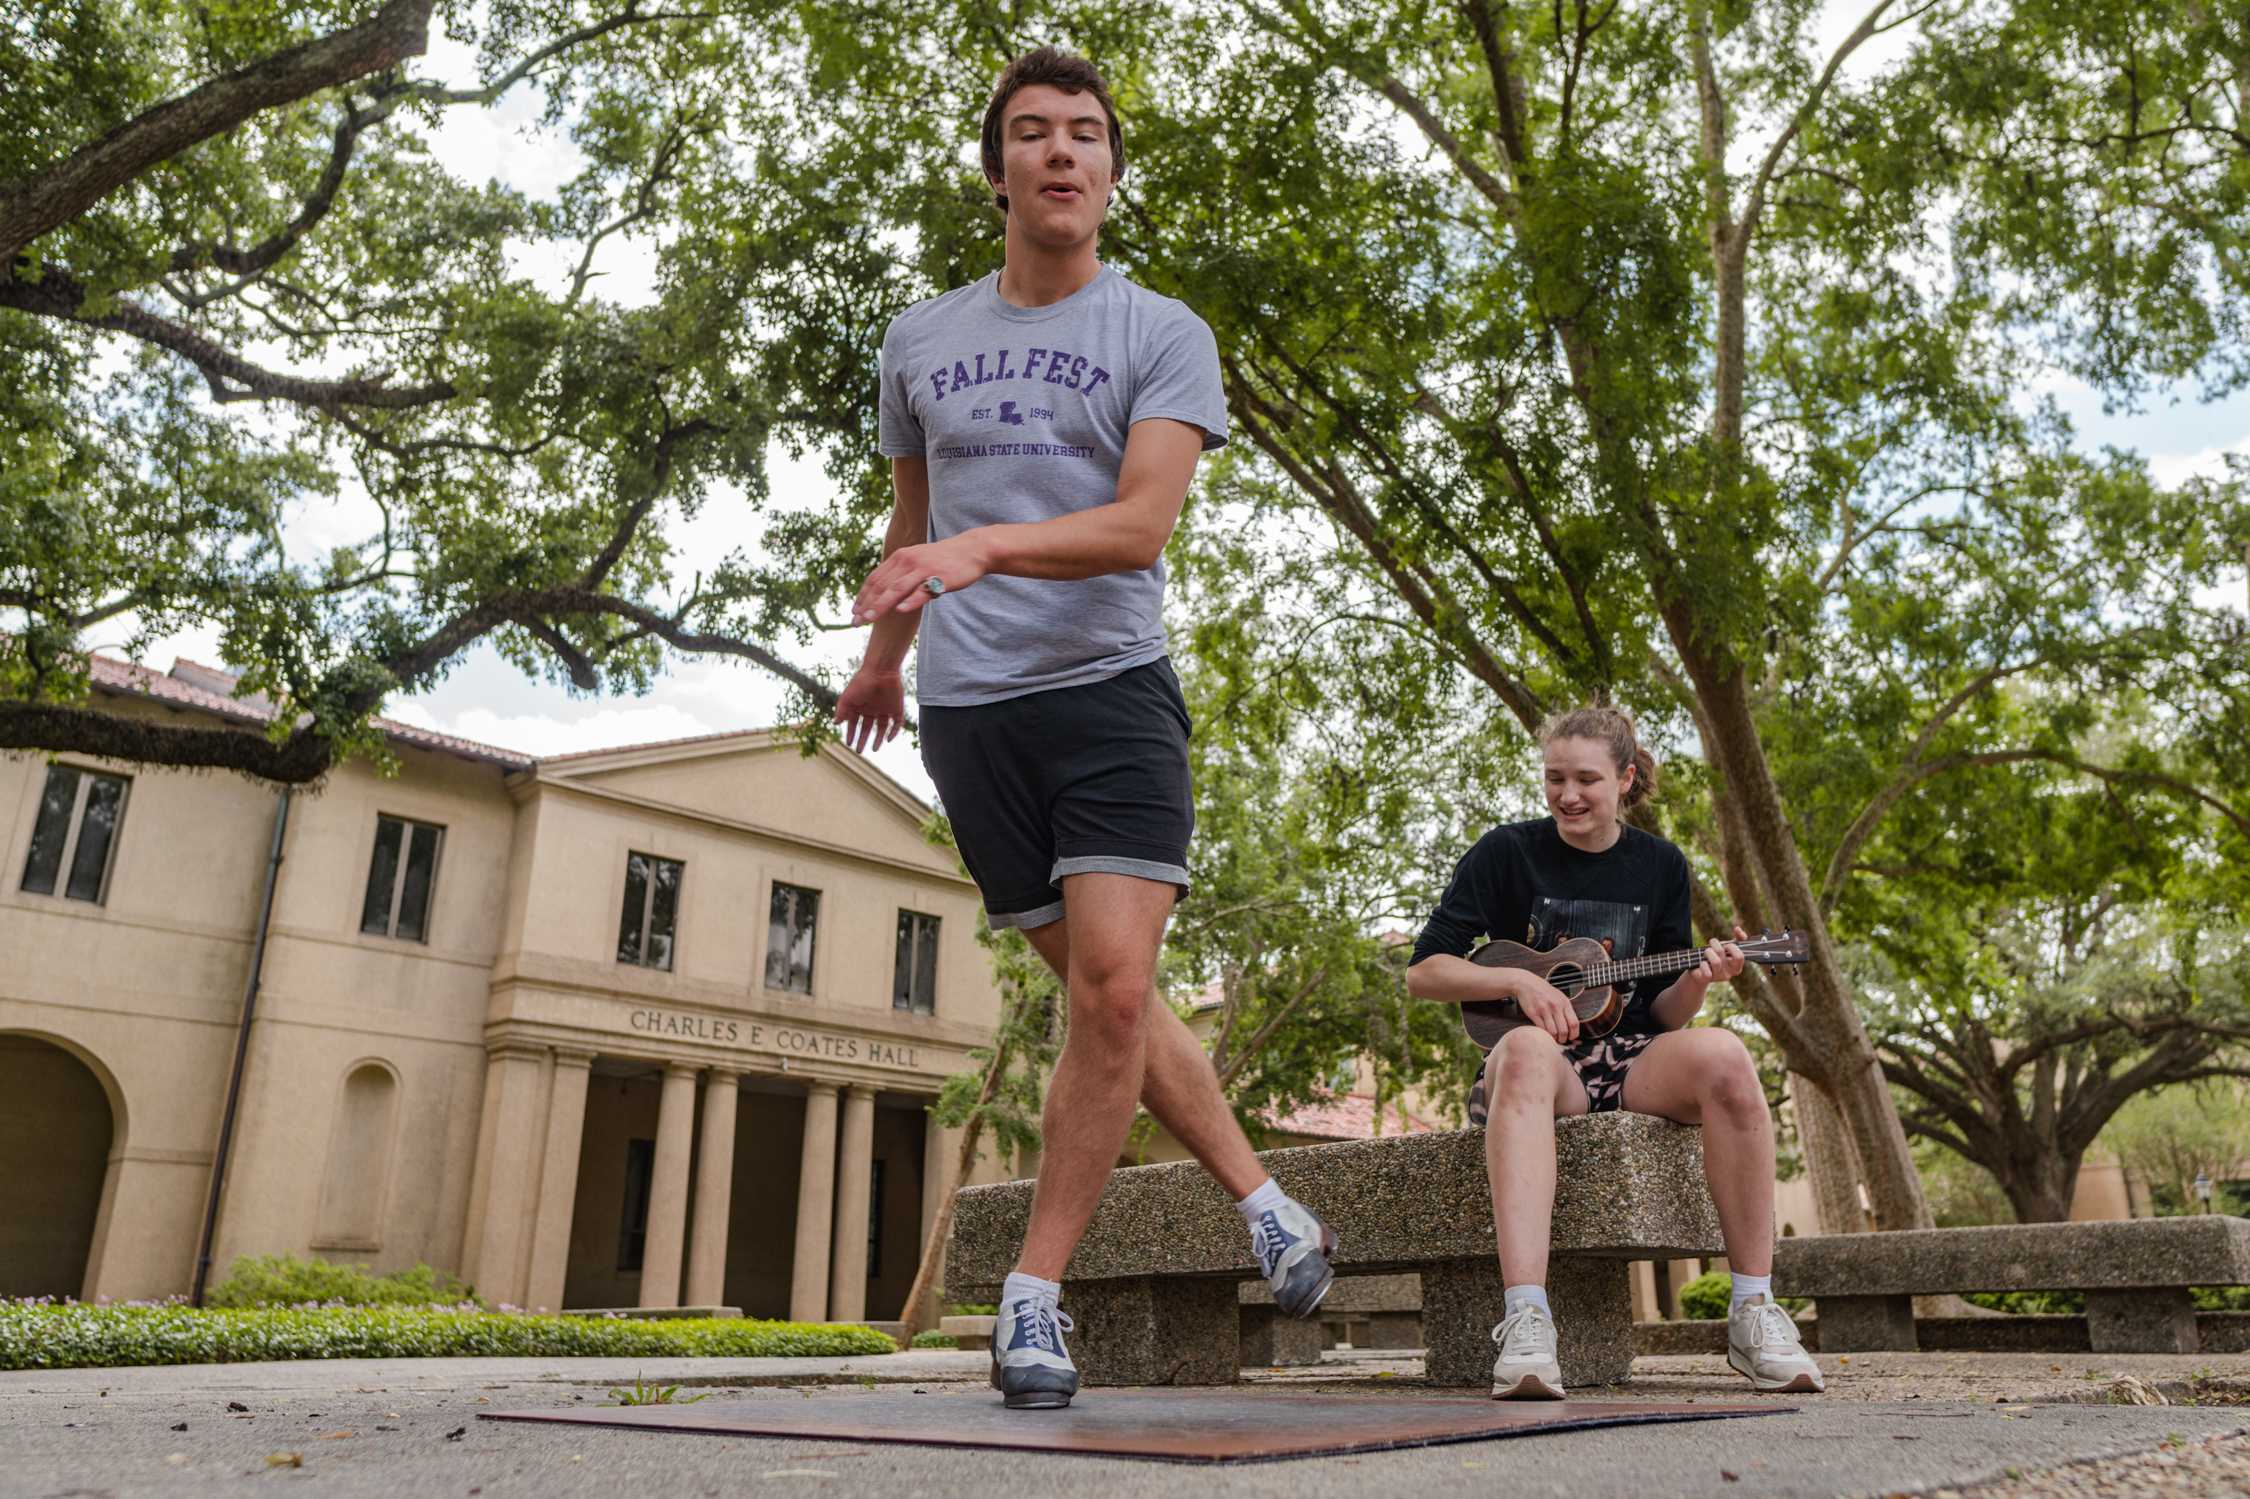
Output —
<point x="1180" y="1088"/>
<point x="1115" y="925"/>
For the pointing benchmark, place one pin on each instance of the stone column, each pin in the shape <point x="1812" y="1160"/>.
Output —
<point x="668" y="1188"/>
<point x="516" y="1120"/>
<point x="855" y="1160"/>
<point x="714" y="1191"/>
<point x="941" y="1153"/>
<point x="558" y="1180"/>
<point x="816" y="1200"/>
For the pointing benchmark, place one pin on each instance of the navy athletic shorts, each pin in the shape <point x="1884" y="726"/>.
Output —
<point x="1077" y="780"/>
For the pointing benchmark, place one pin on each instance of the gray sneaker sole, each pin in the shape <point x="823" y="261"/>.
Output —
<point x="1033" y="1389"/>
<point x="1306" y="1285"/>
<point x="1528" y="1387"/>
<point x="1795" y="1384"/>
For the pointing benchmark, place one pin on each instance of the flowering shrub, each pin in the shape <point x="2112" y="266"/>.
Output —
<point x="42" y="1334"/>
<point x="285" y="1280"/>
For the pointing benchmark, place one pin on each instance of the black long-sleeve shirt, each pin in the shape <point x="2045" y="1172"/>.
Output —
<point x="1522" y="882"/>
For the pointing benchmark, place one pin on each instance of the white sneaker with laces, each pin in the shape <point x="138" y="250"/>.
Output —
<point x="1762" y="1343"/>
<point x="1528" y="1368"/>
<point x="1293" y="1246"/>
<point x="1030" y="1366"/>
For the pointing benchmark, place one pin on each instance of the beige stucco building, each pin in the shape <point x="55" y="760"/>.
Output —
<point x="642" y="1027"/>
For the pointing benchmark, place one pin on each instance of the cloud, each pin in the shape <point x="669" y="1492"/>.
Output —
<point x="2171" y="469"/>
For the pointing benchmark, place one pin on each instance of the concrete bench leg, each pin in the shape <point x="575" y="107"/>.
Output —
<point x="1593" y="1302"/>
<point x="1856" y="1324"/>
<point x="1388" y="1330"/>
<point x="2159" y="1321"/>
<point x="1151" y="1330"/>
<point x="1273" y="1339"/>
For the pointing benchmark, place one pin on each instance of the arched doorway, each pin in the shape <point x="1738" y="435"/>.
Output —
<point x="55" y="1130"/>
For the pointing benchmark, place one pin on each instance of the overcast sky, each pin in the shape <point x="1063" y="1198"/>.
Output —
<point x="486" y="700"/>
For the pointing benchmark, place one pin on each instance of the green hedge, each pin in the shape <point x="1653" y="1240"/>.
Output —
<point x="71" y="1335"/>
<point x="285" y="1280"/>
<point x="2073" y="1303"/>
<point x="1708" y="1295"/>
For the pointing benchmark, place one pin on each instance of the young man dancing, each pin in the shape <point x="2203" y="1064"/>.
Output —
<point x="1042" y="426"/>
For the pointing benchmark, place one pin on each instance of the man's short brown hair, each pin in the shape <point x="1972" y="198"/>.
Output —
<point x="1064" y="70"/>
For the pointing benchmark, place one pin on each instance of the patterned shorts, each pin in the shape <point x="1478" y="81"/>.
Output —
<point x="1600" y="1063"/>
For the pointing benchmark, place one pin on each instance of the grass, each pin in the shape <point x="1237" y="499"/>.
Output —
<point x="40" y="1334"/>
<point x="642" y="1393"/>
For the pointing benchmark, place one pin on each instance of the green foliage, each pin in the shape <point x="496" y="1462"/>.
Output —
<point x="45" y="1335"/>
<point x="639" y="1392"/>
<point x="285" y="1280"/>
<point x="2170" y="1137"/>
<point x="932" y="1338"/>
<point x="1707" y="1295"/>
<point x="1962" y="1193"/>
<point x="2030" y="1303"/>
<point x="1308" y="872"/>
<point x="322" y="326"/>
<point x="2073" y="1303"/>
<point x="971" y="1309"/>
<point x="2221" y="1298"/>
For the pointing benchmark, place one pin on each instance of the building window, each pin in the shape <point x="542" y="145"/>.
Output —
<point x="76" y="830"/>
<point x="789" y="938"/>
<point x="652" y="908"/>
<point x="632" y="1226"/>
<point x="399" y="878"/>
<point x="914" y="980"/>
<point x="875" y="1221"/>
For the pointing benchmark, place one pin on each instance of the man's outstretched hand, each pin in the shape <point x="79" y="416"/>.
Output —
<point x="871" y="709"/>
<point x="897" y="584"/>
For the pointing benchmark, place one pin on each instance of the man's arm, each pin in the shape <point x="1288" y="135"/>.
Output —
<point x="872" y="707"/>
<point x="1124" y="535"/>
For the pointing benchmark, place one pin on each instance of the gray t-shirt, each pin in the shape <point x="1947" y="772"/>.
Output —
<point x="1022" y="413"/>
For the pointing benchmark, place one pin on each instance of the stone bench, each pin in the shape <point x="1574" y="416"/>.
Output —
<point x="1153" y="1286"/>
<point x="2135" y="1273"/>
<point x="1388" y="1306"/>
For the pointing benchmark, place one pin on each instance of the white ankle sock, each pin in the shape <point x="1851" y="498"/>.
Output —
<point x="1022" y="1287"/>
<point x="1264" y="1199"/>
<point x="1516" y="1296"/>
<point x="1747" y="1286"/>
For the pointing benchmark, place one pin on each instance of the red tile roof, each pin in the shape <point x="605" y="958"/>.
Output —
<point x="626" y="749"/>
<point x="192" y="685"/>
<point x="1349" y="1118"/>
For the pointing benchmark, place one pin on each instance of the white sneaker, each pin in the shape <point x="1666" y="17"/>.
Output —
<point x="1030" y="1366"/>
<point x="1762" y="1342"/>
<point x="1527" y="1368"/>
<point x="1293" y="1247"/>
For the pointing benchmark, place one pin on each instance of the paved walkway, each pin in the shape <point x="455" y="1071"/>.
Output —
<point x="2021" y="1426"/>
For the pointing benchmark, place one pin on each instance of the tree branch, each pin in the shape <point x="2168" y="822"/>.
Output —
<point x="247" y="265"/>
<point x="57" y="194"/>
<point x="58" y="294"/>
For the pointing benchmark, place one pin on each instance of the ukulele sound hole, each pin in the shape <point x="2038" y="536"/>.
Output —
<point x="1565" y="977"/>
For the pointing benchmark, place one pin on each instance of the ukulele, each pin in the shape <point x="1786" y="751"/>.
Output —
<point x="1588" y="976"/>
